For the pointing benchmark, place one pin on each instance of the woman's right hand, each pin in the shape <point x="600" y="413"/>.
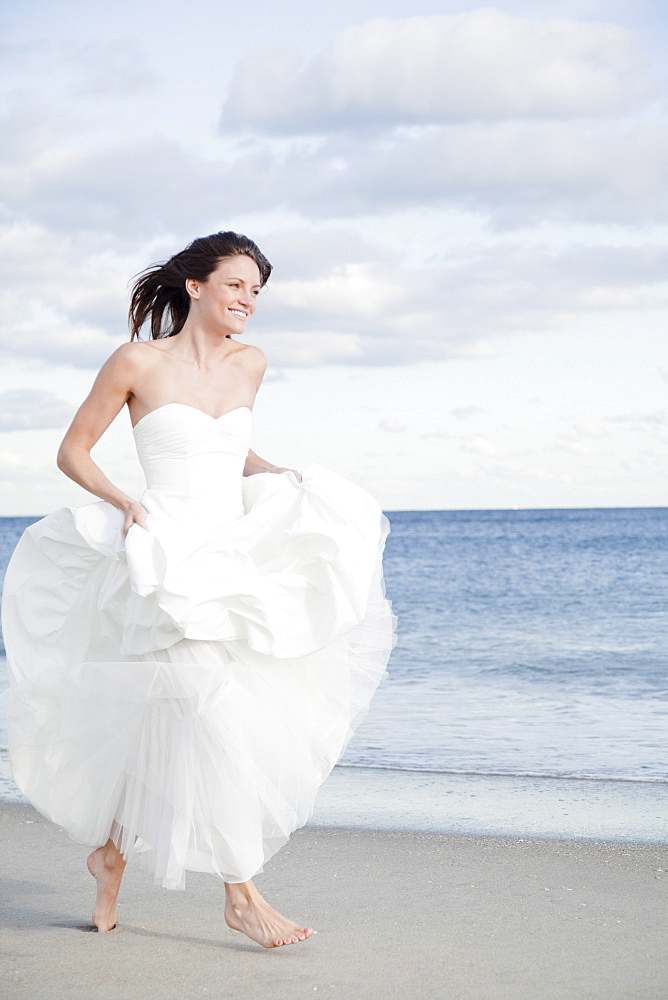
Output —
<point x="134" y="514"/>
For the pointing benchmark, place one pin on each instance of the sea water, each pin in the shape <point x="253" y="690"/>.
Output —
<point x="530" y="642"/>
<point x="528" y="691"/>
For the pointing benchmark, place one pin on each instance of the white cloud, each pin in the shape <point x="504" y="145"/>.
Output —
<point x="478" y="64"/>
<point x="64" y="297"/>
<point x="347" y="289"/>
<point x="516" y="173"/>
<point x="136" y="188"/>
<point x="32" y="409"/>
<point x="466" y="412"/>
<point x="391" y="426"/>
<point x="383" y="312"/>
<point x="109" y="69"/>
<point x="481" y="187"/>
<point x="479" y="445"/>
<point x="583" y="431"/>
<point x="653" y="421"/>
<point x="72" y="174"/>
<point x="334" y="298"/>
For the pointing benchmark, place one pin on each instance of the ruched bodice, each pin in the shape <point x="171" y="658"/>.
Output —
<point x="189" y="686"/>
<point x="185" y="452"/>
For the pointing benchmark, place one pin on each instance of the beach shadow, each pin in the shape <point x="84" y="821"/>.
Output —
<point x="16" y="914"/>
<point x="74" y="925"/>
<point x="207" y="942"/>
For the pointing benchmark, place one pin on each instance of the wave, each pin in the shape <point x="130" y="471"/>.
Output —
<point x="504" y="774"/>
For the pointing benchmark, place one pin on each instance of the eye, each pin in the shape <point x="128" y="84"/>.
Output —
<point x="234" y="284"/>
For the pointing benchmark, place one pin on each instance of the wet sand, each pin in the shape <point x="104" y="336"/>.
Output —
<point x="399" y="915"/>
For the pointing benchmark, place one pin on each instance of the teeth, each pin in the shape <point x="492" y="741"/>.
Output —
<point x="238" y="312"/>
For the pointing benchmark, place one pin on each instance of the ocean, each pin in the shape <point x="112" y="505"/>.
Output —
<point x="530" y="642"/>
<point x="532" y="655"/>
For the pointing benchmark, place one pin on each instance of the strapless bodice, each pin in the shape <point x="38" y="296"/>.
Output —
<point x="185" y="452"/>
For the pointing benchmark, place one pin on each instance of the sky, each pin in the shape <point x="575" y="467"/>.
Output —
<point x="466" y="208"/>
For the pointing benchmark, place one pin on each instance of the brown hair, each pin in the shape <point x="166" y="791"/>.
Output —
<point x="159" y="293"/>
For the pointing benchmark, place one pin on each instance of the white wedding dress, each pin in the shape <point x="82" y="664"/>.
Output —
<point x="187" y="688"/>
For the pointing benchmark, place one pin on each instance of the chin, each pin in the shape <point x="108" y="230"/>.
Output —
<point x="230" y="331"/>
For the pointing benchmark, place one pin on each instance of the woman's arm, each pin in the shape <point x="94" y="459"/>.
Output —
<point x="111" y="390"/>
<point x="256" y="464"/>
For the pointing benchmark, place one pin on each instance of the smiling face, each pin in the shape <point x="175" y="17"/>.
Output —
<point x="228" y="297"/>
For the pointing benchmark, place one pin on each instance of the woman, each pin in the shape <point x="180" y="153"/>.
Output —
<point x="186" y="669"/>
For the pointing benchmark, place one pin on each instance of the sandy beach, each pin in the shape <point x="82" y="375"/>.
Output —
<point x="399" y="915"/>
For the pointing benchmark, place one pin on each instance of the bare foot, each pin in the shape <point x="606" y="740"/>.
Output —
<point x="106" y="865"/>
<point x="248" y="912"/>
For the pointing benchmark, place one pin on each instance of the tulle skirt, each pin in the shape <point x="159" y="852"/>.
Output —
<point x="205" y="754"/>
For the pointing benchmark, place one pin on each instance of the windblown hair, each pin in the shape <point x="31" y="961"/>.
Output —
<point x="159" y="293"/>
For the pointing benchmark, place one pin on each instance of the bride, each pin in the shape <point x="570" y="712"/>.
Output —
<point x="186" y="669"/>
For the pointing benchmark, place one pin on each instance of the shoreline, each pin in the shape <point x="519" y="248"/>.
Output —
<point x="518" y="807"/>
<point x="478" y="805"/>
<point x="398" y="915"/>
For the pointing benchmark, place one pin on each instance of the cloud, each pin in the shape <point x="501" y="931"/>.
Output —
<point x="109" y="69"/>
<point x="583" y="431"/>
<point x="81" y="150"/>
<point x="479" y="445"/>
<point x="136" y="188"/>
<point x="334" y="297"/>
<point x="64" y="297"/>
<point x="88" y="204"/>
<point x="31" y="409"/>
<point x="516" y="173"/>
<point x="417" y="70"/>
<point x="390" y="426"/>
<point x="511" y="144"/>
<point x="653" y="421"/>
<point x="352" y="301"/>
<point x="520" y="119"/>
<point x="466" y="412"/>
<point x="582" y="438"/>
<point x="394" y="313"/>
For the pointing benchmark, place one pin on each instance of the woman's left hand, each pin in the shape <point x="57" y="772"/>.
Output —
<point x="293" y="471"/>
<point x="255" y="464"/>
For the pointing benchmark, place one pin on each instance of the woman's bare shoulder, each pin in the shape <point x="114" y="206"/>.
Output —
<point x="134" y="356"/>
<point x="252" y="356"/>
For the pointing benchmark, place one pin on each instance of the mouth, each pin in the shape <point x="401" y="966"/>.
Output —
<point x="239" y="313"/>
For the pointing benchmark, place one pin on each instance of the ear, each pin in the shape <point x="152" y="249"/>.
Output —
<point x="192" y="288"/>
